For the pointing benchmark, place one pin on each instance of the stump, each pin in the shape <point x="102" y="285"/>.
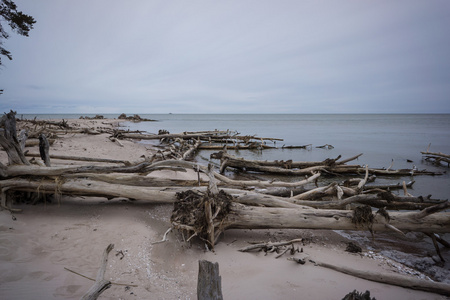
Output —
<point x="209" y="285"/>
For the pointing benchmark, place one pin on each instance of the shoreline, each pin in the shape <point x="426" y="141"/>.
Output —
<point x="46" y="238"/>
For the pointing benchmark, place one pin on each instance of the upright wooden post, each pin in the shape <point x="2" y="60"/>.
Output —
<point x="209" y="285"/>
<point x="44" y="149"/>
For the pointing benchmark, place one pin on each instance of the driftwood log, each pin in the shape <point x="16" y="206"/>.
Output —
<point x="189" y="214"/>
<point x="101" y="284"/>
<point x="436" y="157"/>
<point x="392" y="279"/>
<point x="329" y="166"/>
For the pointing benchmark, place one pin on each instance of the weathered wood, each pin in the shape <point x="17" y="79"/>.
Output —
<point x="44" y="149"/>
<point x="236" y="147"/>
<point x="21" y="170"/>
<point x="228" y="181"/>
<point x="136" y="180"/>
<point x="191" y="149"/>
<point x="260" y="183"/>
<point x="296" y="147"/>
<point x="61" y="124"/>
<point x="81" y="158"/>
<point x="9" y="141"/>
<point x="22" y="139"/>
<point x="436" y="157"/>
<point x="189" y="214"/>
<point x="245" y="217"/>
<point x="269" y="245"/>
<point x="101" y="284"/>
<point x="209" y="284"/>
<point x="436" y="246"/>
<point x="35" y="142"/>
<point x="395" y="186"/>
<point x="233" y="161"/>
<point x="431" y="210"/>
<point x="436" y="154"/>
<point x="123" y="135"/>
<point x="330" y="166"/>
<point x="392" y="279"/>
<point x="84" y="187"/>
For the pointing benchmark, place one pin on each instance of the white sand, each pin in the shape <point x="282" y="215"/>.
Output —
<point x="46" y="238"/>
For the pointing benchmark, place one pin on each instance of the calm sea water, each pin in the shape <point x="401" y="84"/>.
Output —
<point x="382" y="138"/>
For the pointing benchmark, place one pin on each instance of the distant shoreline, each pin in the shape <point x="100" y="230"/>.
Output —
<point x="43" y="116"/>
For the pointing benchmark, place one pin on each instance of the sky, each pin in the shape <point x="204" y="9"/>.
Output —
<point x="189" y="56"/>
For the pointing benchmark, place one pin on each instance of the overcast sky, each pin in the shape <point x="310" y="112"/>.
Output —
<point x="148" y="56"/>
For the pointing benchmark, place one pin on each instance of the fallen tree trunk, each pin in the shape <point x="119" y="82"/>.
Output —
<point x="245" y="217"/>
<point x="392" y="279"/>
<point x="204" y="136"/>
<point x="228" y="160"/>
<point x="189" y="214"/>
<point x="330" y="166"/>
<point x="61" y="124"/>
<point x="236" y="147"/>
<point x="228" y="181"/>
<point x="35" y="142"/>
<point x="436" y="157"/>
<point x="190" y="151"/>
<point x="121" y="184"/>
<point x="80" y="158"/>
<point x="83" y="187"/>
<point x="22" y="170"/>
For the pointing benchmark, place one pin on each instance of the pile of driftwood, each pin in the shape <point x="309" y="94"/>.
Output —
<point x="206" y="208"/>
<point x="436" y="157"/>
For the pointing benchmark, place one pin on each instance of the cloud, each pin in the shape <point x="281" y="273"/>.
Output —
<point x="233" y="56"/>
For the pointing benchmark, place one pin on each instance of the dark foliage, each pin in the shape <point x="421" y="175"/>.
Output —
<point x="19" y="22"/>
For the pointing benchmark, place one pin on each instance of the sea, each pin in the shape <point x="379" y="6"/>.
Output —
<point x="384" y="139"/>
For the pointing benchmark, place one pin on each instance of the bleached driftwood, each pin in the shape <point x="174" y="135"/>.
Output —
<point x="101" y="284"/>
<point x="391" y="278"/>
<point x="81" y="158"/>
<point x="330" y="166"/>
<point x="436" y="157"/>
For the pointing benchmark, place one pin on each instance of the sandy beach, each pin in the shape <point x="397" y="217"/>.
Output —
<point x="41" y="244"/>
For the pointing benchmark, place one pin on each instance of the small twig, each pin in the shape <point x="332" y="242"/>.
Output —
<point x="392" y="164"/>
<point x="195" y="234"/>
<point x="92" y="279"/>
<point x="164" y="237"/>
<point x="282" y="253"/>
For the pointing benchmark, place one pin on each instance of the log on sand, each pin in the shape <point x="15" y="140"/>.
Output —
<point x="188" y="214"/>
<point x="101" y="284"/>
<point x="392" y="279"/>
